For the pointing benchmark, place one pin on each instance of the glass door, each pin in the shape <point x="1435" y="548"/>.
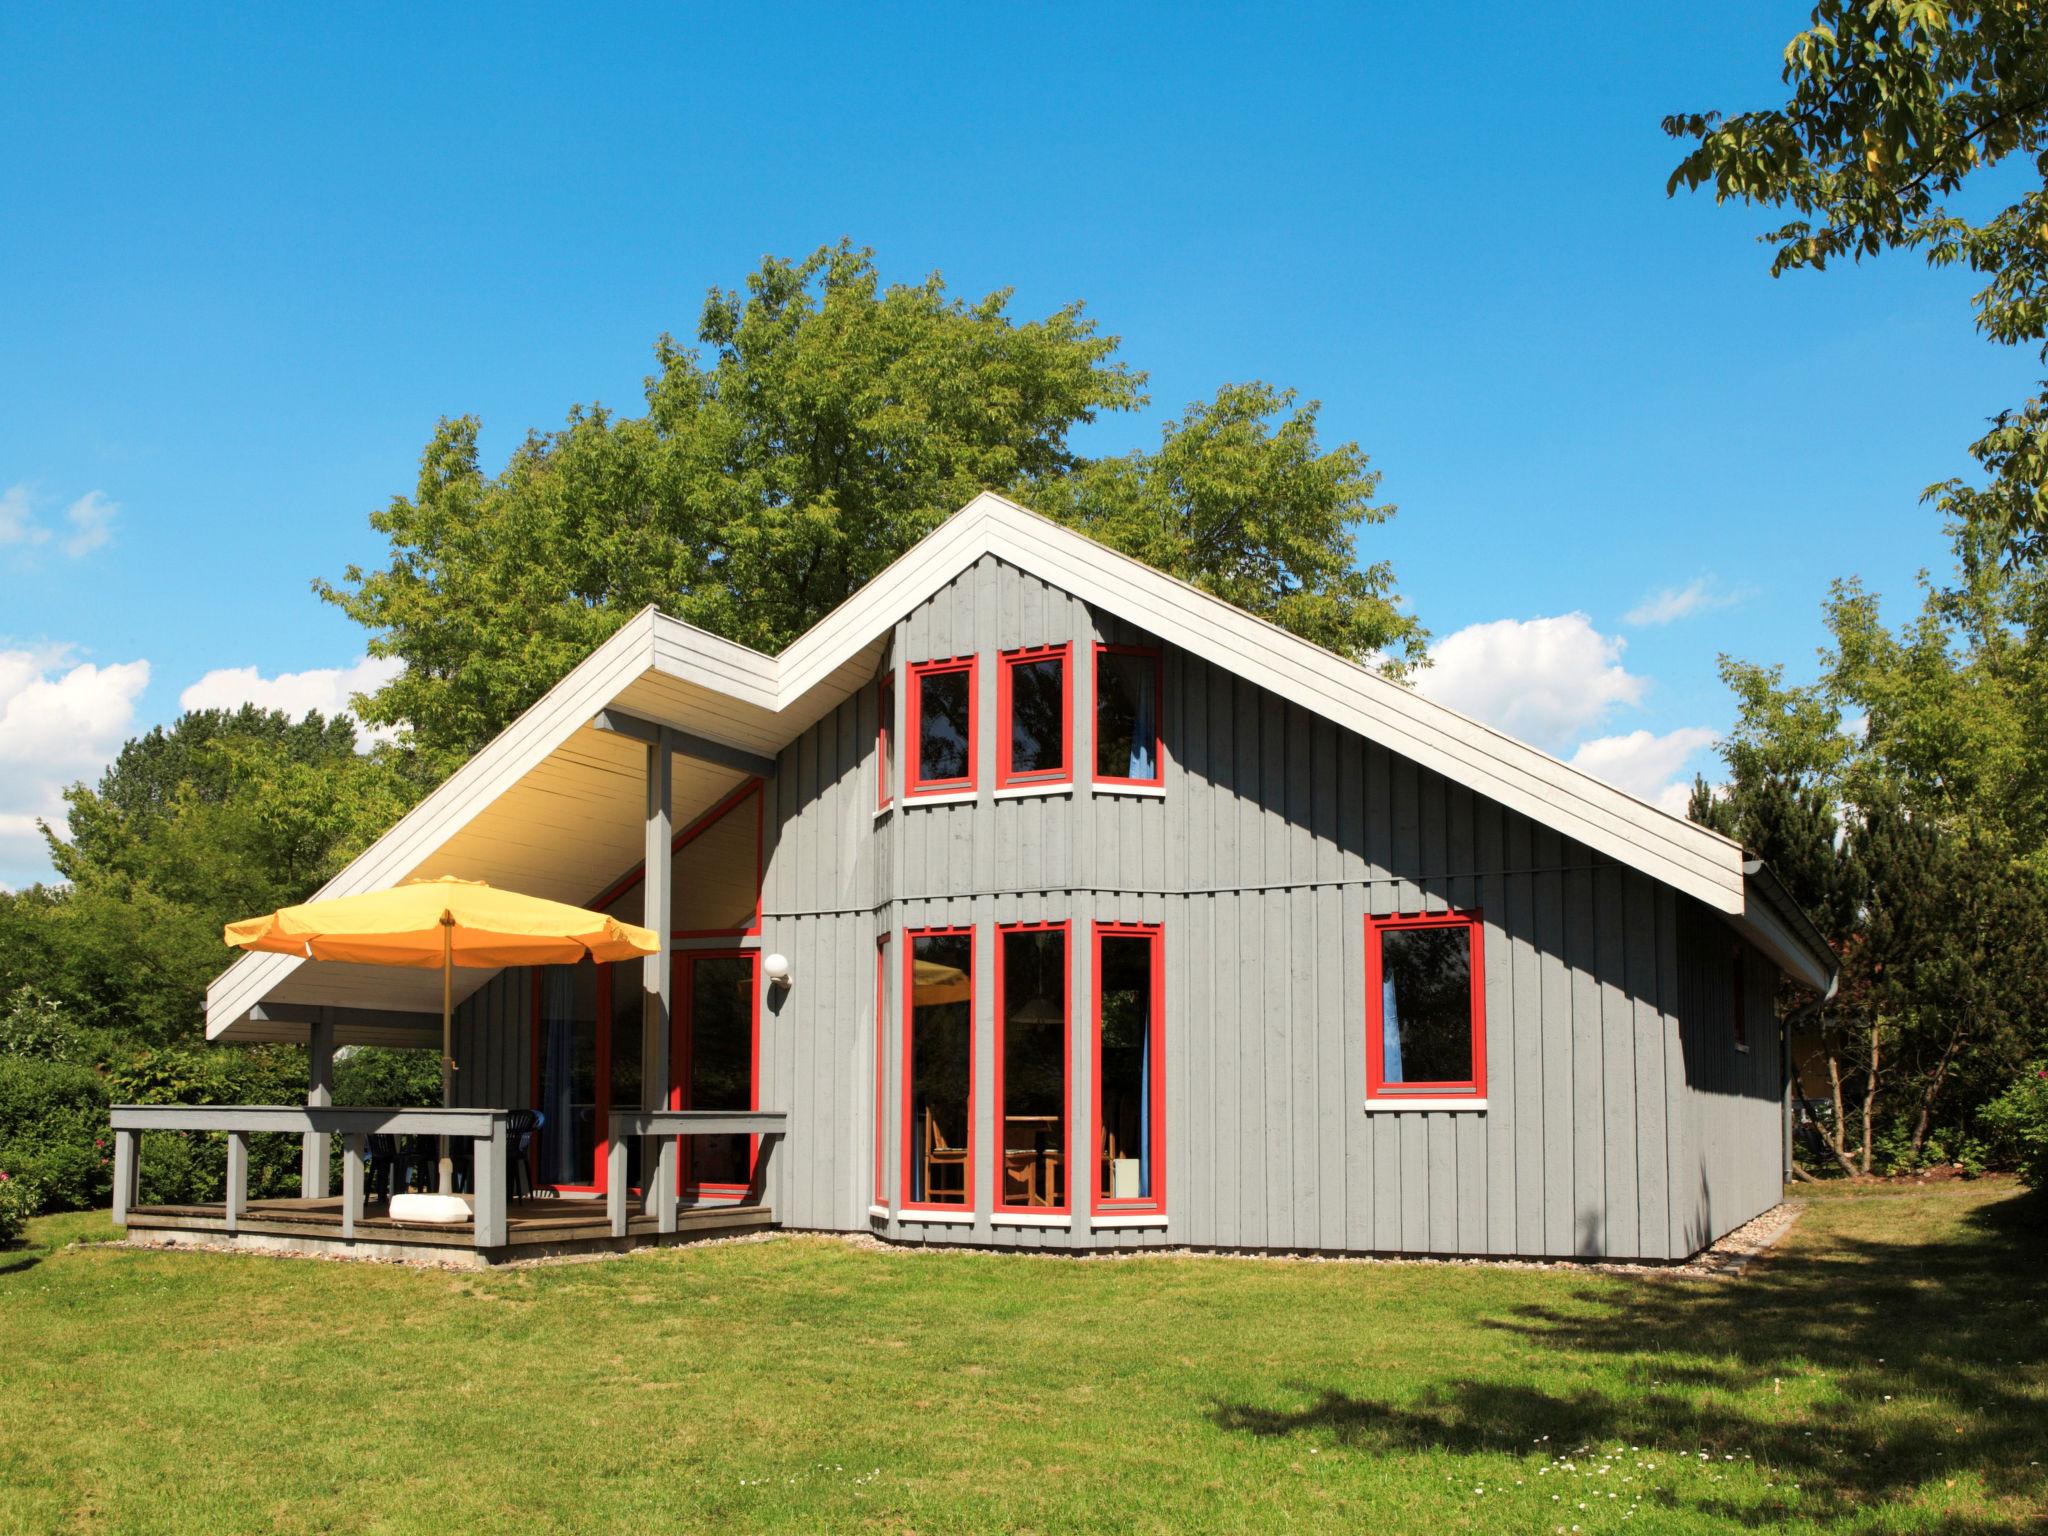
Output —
<point x="715" y="1062"/>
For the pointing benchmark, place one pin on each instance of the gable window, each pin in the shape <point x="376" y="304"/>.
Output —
<point x="941" y="727"/>
<point x="1033" y="707"/>
<point x="885" y="732"/>
<point x="938" y="1069"/>
<point x="716" y="884"/>
<point x="1130" y="1079"/>
<point x="1425" y="994"/>
<point x="1031" y="1067"/>
<point x="1128" y="740"/>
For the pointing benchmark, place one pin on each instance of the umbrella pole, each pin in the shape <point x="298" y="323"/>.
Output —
<point x="447" y="1076"/>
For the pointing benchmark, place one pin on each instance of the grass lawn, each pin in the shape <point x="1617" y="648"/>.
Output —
<point x="1886" y="1369"/>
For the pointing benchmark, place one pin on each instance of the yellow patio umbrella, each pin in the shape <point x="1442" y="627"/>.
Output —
<point x="437" y="925"/>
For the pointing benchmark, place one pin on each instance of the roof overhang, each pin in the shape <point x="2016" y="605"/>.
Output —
<point x="1776" y="924"/>
<point x="555" y="805"/>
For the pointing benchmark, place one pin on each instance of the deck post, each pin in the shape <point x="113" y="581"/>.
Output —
<point x="658" y="970"/>
<point x="351" y="1182"/>
<point x="615" y="1183"/>
<point x="238" y="1179"/>
<point x="313" y="1146"/>
<point x="127" y="1168"/>
<point x="487" y="1167"/>
<point x="665" y="1183"/>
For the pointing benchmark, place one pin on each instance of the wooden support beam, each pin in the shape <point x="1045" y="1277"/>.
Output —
<point x="615" y="1183"/>
<point x="127" y="1169"/>
<point x="487" y="1169"/>
<point x="658" y="970"/>
<point x="664" y="1182"/>
<point x="351" y="1182"/>
<point x="688" y="743"/>
<point x="238" y="1178"/>
<point x="314" y="1145"/>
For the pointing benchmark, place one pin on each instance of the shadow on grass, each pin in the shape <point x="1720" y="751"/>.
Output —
<point x="14" y="1260"/>
<point x="1941" y="1327"/>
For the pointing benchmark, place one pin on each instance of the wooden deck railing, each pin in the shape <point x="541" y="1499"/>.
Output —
<point x="486" y="1127"/>
<point x="659" y="1128"/>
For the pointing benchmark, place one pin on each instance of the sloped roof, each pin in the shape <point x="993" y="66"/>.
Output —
<point x="552" y="776"/>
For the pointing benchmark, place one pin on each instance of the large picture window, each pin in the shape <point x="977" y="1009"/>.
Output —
<point x="1031" y="1067"/>
<point x="715" y="1061"/>
<point x="1425" y="1007"/>
<point x="568" y="1077"/>
<point x="1129" y="741"/>
<point x="938" y="1069"/>
<point x="1130" y="1092"/>
<point x="941" y="728"/>
<point x="1034" y="705"/>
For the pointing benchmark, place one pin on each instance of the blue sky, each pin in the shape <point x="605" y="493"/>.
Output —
<point x="249" y="257"/>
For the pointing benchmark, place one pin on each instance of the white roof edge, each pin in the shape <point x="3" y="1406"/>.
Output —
<point x="1691" y="858"/>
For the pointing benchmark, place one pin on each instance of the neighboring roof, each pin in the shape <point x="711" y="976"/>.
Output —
<point x="571" y="795"/>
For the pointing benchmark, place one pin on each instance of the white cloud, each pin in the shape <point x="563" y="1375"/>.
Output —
<point x="326" y="689"/>
<point x="92" y="523"/>
<point x="18" y="523"/>
<point x="89" y="521"/>
<point x="1674" y="603"/>
<point x="61" y="720"/>
<point x="1645" y="764"/>
<point x="1542" y="680"/>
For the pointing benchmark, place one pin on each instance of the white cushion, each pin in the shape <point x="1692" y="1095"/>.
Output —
<point x="442" y="1209"/>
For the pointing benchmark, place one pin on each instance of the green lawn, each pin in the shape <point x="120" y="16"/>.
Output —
<point x="1884" y="1370"/>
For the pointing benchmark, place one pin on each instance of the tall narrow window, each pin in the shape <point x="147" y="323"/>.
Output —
<point x="1129" y="741"/>
<point x="941" y="727"/>
<point x="714" y="1065"/>
<point x="881" y="1195"/>
<point x="1034" y="706"/>
<point x="1130" y="1091"/>
<point x="1031" y="1067"/>
<point x="938" y="1069"/>
<point x="568" y="1084"/>
<point x="885" y="730"/>
<point x="624" y="986"/>
<point x="1425" y="991"/>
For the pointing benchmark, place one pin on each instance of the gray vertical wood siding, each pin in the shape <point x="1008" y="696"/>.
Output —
<point x="1621" y="1121"/>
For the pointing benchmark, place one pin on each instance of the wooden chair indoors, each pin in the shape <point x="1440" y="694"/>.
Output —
<point x="938" y="1154"/>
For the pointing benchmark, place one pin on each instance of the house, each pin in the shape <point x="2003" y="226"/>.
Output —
<point x="1036" y="899"/>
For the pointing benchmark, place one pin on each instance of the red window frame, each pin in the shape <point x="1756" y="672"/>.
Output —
<point x="1158" y="779"/>
<point x="907" y="1139"/>
<point x="682" y="1040"/>
<point x="1064" y="930"/>
<point x="1006" y="663"/>
<point x="1739" y="973"/>
<point x="885" y="720"/>
<point x="1376" y="1085"/>
<point x="914" y="782"/>
<point x="689" y="835"/>
<point x="1155" y="1203"/>
<point x="881" y="1071"/>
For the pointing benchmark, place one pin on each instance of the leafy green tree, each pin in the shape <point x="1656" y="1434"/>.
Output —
<point x="827" y="424"/>
<point x="1894" y="105"/>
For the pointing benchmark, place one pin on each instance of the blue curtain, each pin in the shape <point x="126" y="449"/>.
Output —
<point x="557" y="1003"/>
<point x="1140" y="678"/>
<point x="1390" y="1037"/>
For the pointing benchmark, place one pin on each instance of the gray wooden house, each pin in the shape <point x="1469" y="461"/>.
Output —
<point x="1035" y="899"/>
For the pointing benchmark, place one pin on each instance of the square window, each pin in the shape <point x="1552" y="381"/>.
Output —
<point x="1425" y="1011"/>
<point x="1035" y="704"/>
<point x="941" y="726"/>
<point x="1129" y="740"/>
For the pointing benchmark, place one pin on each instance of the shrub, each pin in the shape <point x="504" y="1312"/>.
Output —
<point x="19" y="1198"/>
<point x="2015" y="1125"/>
<point x="53" y="1131"/>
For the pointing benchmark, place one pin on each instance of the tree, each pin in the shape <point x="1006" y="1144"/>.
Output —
<point x="223" y="815"/>
<point x="828" y="425"/>
<point x="1241" y="500"/>
<point x="1894" y="106"/>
